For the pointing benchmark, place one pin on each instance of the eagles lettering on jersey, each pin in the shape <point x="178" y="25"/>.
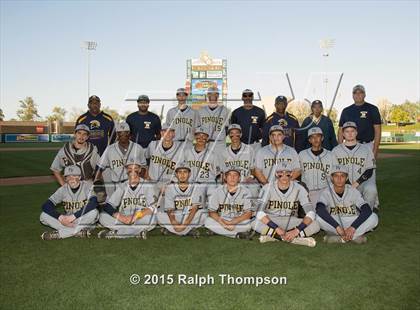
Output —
<point x="74" y="206"/>
<point x="343" y="210"/>
<point x="269" y="162"/>
<point x="229" y="208"/>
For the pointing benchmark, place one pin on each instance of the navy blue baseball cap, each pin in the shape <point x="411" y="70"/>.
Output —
<point x="281" y="98"/>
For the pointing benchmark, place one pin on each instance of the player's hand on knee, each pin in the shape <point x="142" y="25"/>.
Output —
<point x="291" y="234"/>
<point x="355" y="184"/>
<point x="280" y="232"/>
<point x="230" y="227"/>
<point x="67" y="220"/>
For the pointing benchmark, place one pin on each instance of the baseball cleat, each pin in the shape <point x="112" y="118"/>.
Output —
<point x="360" y="240"/>
<point x="164" y="231"/>
<point x="247" y="235"/>
<point x="209" y="232"/>
<point x="333" y="239"/>
<point x="194" y="233"/>
<point x="142" y="235"/>
<point x="108" y="234"/>
<point x="83" y="234"/>
<point x="50" y="235"/>
<point x="265" y="238"/>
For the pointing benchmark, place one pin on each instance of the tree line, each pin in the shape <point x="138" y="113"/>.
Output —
<point x="406" y="112"/>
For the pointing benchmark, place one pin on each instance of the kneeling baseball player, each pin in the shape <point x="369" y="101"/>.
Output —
<point x="342" y="212"/>
<point x="183" y="212"/>
<point x="230" y="208"/>
<point x="79" y="206"/>
<point x="131" y="210"/>
<point x="277" y="217"/>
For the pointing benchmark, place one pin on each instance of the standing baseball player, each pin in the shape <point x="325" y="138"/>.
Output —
<point x="251" y="119"/>
<point x="78" y="152"/>
<point x="277" y="215"/>
<point x="214" y="119"/>
<point x="317" y="119"/>
<point x="183" y="118"/>
<point x="269" y="156"/>
<point x="360" y="163"/>
<point x="315" y="164"/>
<point x="367" y="118"/>
<point x="101" y="125"/>
<point x="144" y="125"/>
<point x="204" y="164"/>
<point x="79" y="204"/>
<point x="131" y="210"/>
<point x="240" y="156"/>
<point x="230" y="208"/>
<point x="286" y="120"/>
<point x="183" y="212"/>
<point x="116" y="155"/>
<point x="342" y="212"/>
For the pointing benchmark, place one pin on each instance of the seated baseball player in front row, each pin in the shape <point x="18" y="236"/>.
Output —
<point x="277" y="217"/>
<point x="230" y="208"/>
<point x="131" y="210"/>
<point x="79" y="206"/>
<point x="183" y="212"/>
<point x="342" y="212"/>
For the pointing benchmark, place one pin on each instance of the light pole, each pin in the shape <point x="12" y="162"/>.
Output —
<point x="89" y="46"/>
<point x="325" y="45"/>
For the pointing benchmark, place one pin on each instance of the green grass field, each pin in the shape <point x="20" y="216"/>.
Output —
<point x="94" y="274"/>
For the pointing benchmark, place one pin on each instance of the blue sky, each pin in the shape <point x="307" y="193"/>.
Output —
<point x="143" y="47"/>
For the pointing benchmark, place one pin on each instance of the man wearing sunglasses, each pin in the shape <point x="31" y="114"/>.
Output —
<point x="270" y="156"/>
<point x="251" y="119"/>
<point x="277" y="215"/>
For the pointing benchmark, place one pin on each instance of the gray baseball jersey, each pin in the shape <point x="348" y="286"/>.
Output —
<point x="215" y="122"/>
<point x="267" y="159"/>
<point x="205" y="166"/>
<point x="183" y="122"/>
<point x="347" y="205"/>
<point x="243" y="159"/>
<point x="163" y="162"/>
<point x="114" y="160"/>
<point x="72" y="201"/>
<point x="230" y="206"/>
<point x="128" y="200"/>
<point x="86" y="158"/>
<point x="357" y="160"/>
<point x="178" y="200"/>
<point x="315" y="168"/>
<point x="273" y="202"/>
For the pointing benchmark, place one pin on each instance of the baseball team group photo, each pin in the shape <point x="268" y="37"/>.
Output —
<point x="241" y="182"/>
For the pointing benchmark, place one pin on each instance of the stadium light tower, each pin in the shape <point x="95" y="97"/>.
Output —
<point x="326" y="45"/>
<point x="89" y="46"/>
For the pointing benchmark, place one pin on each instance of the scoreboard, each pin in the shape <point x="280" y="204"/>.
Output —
<point x="203" y="73"/>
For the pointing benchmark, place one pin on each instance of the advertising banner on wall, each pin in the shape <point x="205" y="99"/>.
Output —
<point x="26" y="137"/>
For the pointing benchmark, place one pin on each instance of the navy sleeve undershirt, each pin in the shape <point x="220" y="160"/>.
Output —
<point x="92" y="204"/>
<point x="321" y="211"/>
<point x="365" y="212"/>
<point x="49" y="208"/>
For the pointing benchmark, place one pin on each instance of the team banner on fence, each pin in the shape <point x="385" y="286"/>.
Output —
<point x="61" y="137"/>
<point x="26" y="137"/>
